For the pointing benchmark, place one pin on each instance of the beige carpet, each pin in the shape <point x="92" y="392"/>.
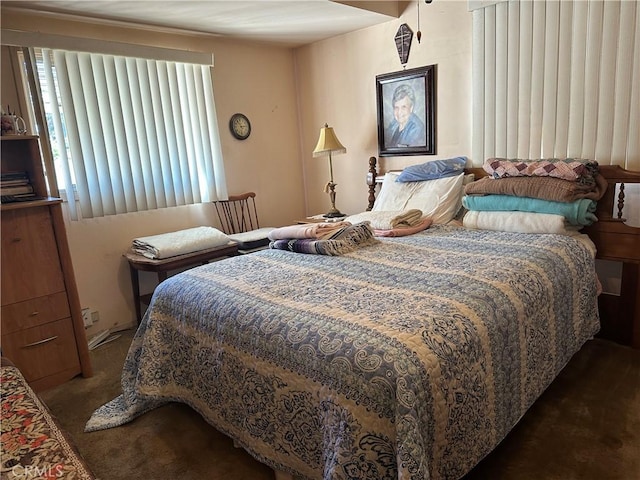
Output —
<point x="585" y="426"/>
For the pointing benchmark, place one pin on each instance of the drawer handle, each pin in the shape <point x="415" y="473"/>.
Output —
<point x="33" y="314"/>
<point x="16" y="239"/>
<point x="46" y="340"/>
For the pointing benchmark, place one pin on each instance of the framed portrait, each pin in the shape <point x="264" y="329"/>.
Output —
<point x="407" y="112"/>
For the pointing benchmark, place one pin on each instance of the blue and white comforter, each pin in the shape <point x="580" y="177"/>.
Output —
<point x="411" y="359"/>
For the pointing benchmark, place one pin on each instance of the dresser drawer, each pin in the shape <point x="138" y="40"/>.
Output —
<point x="31" y="265"/>
<point x="36" y="311"/>
<point x="43" y="350"/>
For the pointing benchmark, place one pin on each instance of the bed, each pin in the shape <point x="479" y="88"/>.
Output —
<point x="411" y="357"/>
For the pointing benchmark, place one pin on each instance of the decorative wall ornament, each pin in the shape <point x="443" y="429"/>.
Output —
<point x="403" y="39"/>
<point x="418" y="33"/>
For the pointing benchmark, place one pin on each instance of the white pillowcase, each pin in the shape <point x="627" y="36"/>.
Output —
<point x="439" y="199"/>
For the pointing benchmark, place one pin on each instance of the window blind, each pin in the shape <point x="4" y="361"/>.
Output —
<point x="131" y="134"/>
<point x="557" y="79"/>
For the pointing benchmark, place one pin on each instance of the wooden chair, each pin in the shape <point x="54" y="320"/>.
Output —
<point x="239" y="219"/>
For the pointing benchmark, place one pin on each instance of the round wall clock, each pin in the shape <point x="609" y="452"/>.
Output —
<point x="240" y="126"/>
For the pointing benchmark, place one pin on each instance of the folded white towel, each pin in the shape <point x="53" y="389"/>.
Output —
<point x="522" y="222"/>
<point x="180" y="242"/>
<point x="318" y="231"/>
<point x="388" y="220"/>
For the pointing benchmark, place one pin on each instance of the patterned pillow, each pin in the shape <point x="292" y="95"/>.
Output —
<point x="432" y="170"/>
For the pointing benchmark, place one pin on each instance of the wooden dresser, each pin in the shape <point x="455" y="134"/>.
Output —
<point x="42" y="328"/>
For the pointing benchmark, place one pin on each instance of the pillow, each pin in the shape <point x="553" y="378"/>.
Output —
<point x="468" y="178"/>
<point x="432" y="170"/>
<point x="439" y="199"/>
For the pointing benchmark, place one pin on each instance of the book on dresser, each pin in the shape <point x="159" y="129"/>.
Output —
<point x="16" y="187"/>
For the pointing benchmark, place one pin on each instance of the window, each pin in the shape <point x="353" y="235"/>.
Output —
<point x="130" y="134"/>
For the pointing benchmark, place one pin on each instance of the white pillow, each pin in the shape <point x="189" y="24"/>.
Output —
<point x="439" y="199"/>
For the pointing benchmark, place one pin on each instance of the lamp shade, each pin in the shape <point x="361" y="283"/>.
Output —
<point x="328" y="142"/>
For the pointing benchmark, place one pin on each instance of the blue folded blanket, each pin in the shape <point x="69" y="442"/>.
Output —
<point x="580" y="212"/>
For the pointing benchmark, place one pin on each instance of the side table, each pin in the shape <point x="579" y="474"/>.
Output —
<point x="321" y="219"/>
<point x="163" y="265"/>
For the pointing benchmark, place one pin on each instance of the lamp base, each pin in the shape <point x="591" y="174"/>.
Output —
<point x="333" y="213"/>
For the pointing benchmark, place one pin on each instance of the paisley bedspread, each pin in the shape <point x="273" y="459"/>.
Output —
<point x="412" y="358"/>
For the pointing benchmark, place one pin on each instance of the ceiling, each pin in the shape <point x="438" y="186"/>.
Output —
<point x="288" y="23"/>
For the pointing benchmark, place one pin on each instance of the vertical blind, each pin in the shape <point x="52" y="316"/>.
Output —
<point x="557" y="79"/>
<point x="131" y="134"/>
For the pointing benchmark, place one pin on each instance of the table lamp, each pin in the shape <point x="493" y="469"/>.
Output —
<point x="329" y="143"/>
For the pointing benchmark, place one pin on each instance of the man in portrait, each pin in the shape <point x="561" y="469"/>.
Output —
<point x="406" y="129"/>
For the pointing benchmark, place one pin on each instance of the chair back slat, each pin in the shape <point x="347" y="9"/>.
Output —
<point x="238" y="214"/>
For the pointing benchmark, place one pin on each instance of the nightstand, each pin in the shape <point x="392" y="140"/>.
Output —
<point x="320" y="219"/>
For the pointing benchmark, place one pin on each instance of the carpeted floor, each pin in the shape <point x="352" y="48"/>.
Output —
<point x="585" y="426"/>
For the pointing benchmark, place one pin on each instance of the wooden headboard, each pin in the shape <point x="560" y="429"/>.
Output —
<point x="614" y="240"/>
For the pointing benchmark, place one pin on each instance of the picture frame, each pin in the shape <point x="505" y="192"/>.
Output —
<point x="406" y="102"/>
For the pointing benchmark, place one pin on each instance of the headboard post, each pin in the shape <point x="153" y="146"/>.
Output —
<point x="371" y="181"/>
<point x="621" y="200"/>
<point x="614" y="239"/>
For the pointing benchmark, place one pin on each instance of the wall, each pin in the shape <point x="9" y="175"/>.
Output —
<point x="336" y="85"/>
<point x="256" y="80"/>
